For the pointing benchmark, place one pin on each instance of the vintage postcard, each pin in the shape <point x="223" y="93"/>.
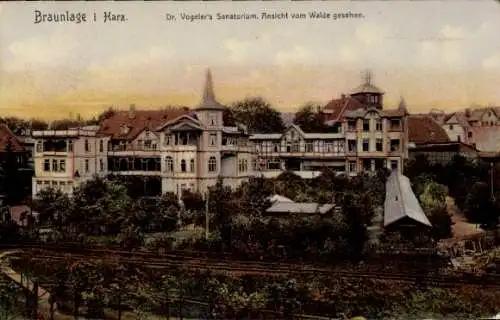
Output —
<point x="250" y="160"/>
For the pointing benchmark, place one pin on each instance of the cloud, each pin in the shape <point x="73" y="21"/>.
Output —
<point x="454" y="32"/>
<point x="492" y="61"/>
<point x="297" y="55"/>
<point x="371" y="34"/>
<point x="152" y="56"/>
<point x="238" y="50"/>
<point x="44" y="51"/>
<point x="348" y="53"/>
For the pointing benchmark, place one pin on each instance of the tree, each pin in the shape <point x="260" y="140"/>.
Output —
<point x="257" y="115"/>
<point x="12" y="182"/>
<point x="102" y="204"/>
<point x="433" y="200"/>
<point x="480" y="207"/>
<point x="310" y="119"/>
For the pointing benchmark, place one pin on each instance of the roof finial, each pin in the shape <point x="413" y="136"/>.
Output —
<point x="402" y="104"/>
<point x="208" y="91"/>
<point x="367" y="77"/>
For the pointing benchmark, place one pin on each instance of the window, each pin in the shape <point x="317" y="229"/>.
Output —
<point x="351" y="125"/>
<point x="451" y="127"/>
<point x="191" y="165"/>
<point x="148" y="145"/>
<point x="183" y="165"/>
<point x="459" y="138"/>
<point x="276" y="147"/>
<point x="87" y="146"/>
<point x="62" y="165"/>
<point x="366" y="145"/>
<point x="124" y="129"/>
<point x="395" y="124"/>
<point x="395" y="146"/>
<point x="213" y="120"/>
<point x="169" y="164"/>
<point x="101" y="165"/>
<point x="101" y="146"/>
<point x="46" y="165"/>
<point x="87" y="167"/>
<point x="352" y="166"/>
<point x="378" y="125"/>
<point x="351" y="145"/>
<point x="39" y="146"/>
<point x="54" y="165"/>
<point x="469" y="134"/>
<point x="168" y="139"/>
<point x="366" y="125"/>
<point x="379" y="145"/>
<point x="274" y="164"/>
<point x="240" y="165"/>
<point x="70" y="146"/>
<point x="213" y="139"/>
<point x="394" y="164"/>
<point x="212" y="164"/>
<point x="309" y="147"/>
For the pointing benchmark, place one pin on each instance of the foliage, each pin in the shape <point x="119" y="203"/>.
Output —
<point x="310" y="119"/>
<point x="433" y="200"/>
<point x="468" y="182"/>
<point x="257" y="115"/>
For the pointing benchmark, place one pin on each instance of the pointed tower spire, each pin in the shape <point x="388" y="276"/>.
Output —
<point x="208" y="100"/>
<point x="402" y="105"/>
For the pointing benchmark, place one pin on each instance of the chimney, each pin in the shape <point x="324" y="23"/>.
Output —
<point x="131" y="111"/>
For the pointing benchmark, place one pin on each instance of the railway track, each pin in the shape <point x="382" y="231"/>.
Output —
<point x="256" y="268"/>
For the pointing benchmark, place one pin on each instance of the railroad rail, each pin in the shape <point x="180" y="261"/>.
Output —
<point x="268" y="269"/>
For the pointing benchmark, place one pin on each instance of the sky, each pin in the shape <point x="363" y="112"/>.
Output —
<point x="437" y="54"/>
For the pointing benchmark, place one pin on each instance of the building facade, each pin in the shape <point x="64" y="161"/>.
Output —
<point x="362" y="137"/>
<point x="63" y="159"/>
<point x="169" y="150"/>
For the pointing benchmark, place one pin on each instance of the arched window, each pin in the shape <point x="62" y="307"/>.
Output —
<point x="212" y="164"/>
<point x="183" y="165"/>
<point x="191" y="164"/>
<point x="169" y="164"/>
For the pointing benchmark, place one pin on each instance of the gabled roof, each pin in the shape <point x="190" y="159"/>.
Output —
<point x="401" y="202"/>
<point x="181" y="120"/>
<point x="8" y="137"/>
<point x="300" y="207"/>
<point x="337" y="107"/>
<point x="137" y="121"/>
<point x="424" y="129"/>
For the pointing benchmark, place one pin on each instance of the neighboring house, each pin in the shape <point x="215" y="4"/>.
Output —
<point x="63" y="159"/>
<point x="172" y="149"/>
<point x="363" y="136"/>
<point x="402" y="209"/>
<point x="478" y="127"/>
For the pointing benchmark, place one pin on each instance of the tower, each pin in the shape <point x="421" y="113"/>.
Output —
<point x="210" y="111"/>
<point x="367" y="93"/>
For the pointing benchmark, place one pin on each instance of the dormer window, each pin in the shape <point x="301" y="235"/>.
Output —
<point x="124" y="129"/>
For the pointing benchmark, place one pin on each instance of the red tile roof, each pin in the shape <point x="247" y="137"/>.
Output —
<point x="138" y="120"/>
<point x="339" y="106"/>
<point x="424" y="129"/>
<point x="6" y="137"/>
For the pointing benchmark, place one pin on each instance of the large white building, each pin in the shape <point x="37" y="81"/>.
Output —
<point x="175" y="149"/>
<point x="170" y="150"/>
